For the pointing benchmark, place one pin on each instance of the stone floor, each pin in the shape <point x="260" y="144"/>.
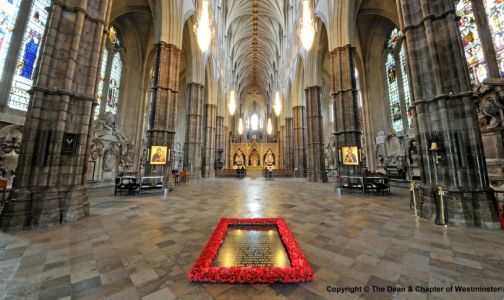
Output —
<point x="143" y="246"/>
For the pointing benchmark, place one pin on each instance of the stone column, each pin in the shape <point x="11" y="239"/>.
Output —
<point x="50" y="184"/>
<point x="281" y="144"/>
<point x="208" y="167"/>
<point x="226" y="147"/>
<point x="299" y="125"/>
<point x="227" y="139"/>
<point x="219" y="133"/>
<point x="194" y="134"/>
<point x="289" y="143"/>
<point x="316" y="155"/>
<point x="164" y="101"/>
<point x="446" y="115"/>
<point x="219" y="138"/>
<point x="346" y="111"/>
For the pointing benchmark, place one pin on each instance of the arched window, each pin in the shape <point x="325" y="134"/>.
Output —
<point x="29" y="52"/>
<point x="254" y="122"/>
<point x="495" y="13"/>
<point x="109" y="84"/>
<point x="398" y="91"/>
<point x="114" y="84"/>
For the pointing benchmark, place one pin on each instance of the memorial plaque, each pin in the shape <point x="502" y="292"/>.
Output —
<point x="252" y="246"/>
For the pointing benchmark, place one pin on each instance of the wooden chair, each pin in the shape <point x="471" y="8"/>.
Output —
<point x="3" y="187"/>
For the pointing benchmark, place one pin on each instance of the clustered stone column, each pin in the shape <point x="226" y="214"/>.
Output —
<point x="289" y="143"/>
<point x="316" y="155"/>
<point x="164" y="101"/>
<point x="210" y="130"/>
<point x="219" y="137"/>
<point x="49" y="187"/>
<point x="344" y="95"/>
<point x="299" y="125"/>
<point x="446" y="115"/>
<point x="282" y="144"/>
<point x="227" y="145"/>
<point x="194" y="131"/>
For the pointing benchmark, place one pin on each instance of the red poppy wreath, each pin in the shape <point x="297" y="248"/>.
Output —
<point x="204" y="271"/>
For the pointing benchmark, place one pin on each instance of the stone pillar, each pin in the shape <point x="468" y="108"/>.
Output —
<point x="281" y="143"/>
<point x="299" y="125"/>
<point x="346" y="111"/>
<point x="446" y="115"/>
<point x="208" y="167"/>
<point x="49" y="187"/>
<point x="289" y="143"/>
<point x="227" y="144"/>
<point x="316" y="155"/>
<point x="219" y="133"/>
<point x="194" y="134"/>
<point x="219" y="139"/>
<point x="164" y="101"/>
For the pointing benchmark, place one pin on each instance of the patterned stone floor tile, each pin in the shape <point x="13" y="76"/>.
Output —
<point x="141" y="247"/>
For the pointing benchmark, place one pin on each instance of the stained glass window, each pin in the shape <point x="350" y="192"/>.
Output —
<point x="393" y="91"/>
<point x="101" y="82"/>
<point x="148" y="101"/>
<point x="393" y="39"/>
<point x="8" y="14"/>
<point x="28" y="56"/>
<point x="114" y="84"/>
<point x="254" y="122"/>
<point x="406" y="88"/>
<point x="495" y="13"/>
<point x="472" y="45"/>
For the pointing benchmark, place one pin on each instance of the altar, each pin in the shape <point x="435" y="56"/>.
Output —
<point x="254" y="156"/>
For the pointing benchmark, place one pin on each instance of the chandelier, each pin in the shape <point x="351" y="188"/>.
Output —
<point x="307" y="27"/>
<point x="240" y="126"/>
<point x="277" y="106"/>
<point x="203" y="28"/>
<point x="269" y="127"/>
<point x="232" y="103"/>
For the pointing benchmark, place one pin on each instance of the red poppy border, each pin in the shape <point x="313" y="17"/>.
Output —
<point x="203" y="271"/>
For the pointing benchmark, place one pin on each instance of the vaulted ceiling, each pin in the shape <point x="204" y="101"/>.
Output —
<point x="255" y="29"/>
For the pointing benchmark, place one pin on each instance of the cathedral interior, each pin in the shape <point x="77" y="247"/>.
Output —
<point x="129" y="128"/>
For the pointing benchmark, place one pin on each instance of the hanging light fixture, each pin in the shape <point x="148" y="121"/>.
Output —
<point x="232" y="103"/>
<point x="240" y="126"/>
<point x="269" y="127"/>
<point x="307" y="26"/>
<point x="202" y="27"/>
<point x="277" y="106"/>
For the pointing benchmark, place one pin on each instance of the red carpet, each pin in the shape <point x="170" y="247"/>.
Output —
<point x="204" y="271"/>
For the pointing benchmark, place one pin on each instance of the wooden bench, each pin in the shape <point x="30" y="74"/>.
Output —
<point x="151" y="183"/>
<point x="126" y="183"/>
